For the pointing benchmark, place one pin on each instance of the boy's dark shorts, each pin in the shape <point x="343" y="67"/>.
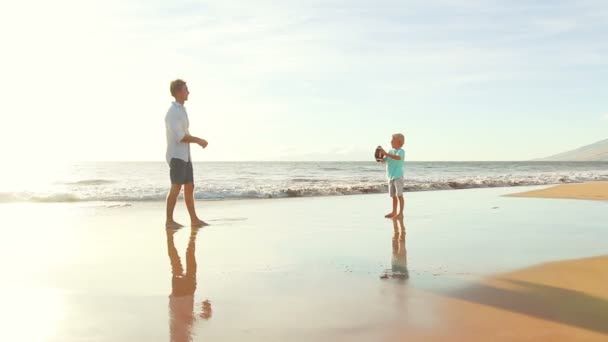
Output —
<point x="180" y="171"/>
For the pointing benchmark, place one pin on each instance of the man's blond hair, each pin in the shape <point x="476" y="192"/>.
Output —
<point x="176" y="86"/>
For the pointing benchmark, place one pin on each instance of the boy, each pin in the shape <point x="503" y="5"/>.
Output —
<point x="394" y="171"/>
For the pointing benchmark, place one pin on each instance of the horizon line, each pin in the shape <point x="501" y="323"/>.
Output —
<point x="334" y="161"/>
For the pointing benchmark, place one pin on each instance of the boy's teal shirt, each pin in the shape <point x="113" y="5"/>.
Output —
<point x="394" y="168"/>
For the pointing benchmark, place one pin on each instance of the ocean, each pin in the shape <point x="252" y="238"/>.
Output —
<point x="124" y="182"/>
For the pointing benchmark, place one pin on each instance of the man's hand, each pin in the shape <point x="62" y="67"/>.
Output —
<point x="203" y="143"/>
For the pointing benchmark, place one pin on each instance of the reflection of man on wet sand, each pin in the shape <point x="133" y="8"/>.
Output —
<point x="399" y="260"/>
<point x="183" y="286"/>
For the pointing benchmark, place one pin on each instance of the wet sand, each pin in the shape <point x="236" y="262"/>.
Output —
<point x="583" y="191"/>
<point x="310" y="269"/>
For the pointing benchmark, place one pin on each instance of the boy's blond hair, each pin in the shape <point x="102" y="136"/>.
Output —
<point x="399" y="137"/>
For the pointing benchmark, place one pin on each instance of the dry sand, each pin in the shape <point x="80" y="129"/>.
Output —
<point x="561" y="301"/>
<point x="584" y="191"/>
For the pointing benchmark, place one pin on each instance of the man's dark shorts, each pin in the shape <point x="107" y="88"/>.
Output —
<point x="181" y="171"/>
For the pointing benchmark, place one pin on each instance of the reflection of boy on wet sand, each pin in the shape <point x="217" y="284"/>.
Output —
<point x="183" y="286"/>
<point x="399" y="260"/>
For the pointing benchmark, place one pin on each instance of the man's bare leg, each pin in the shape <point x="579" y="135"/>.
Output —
<point x="171" y="201"/>
<point x="189" y="198"/>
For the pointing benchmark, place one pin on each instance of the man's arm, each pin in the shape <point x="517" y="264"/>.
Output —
<point x="176" y="126"/>
<point x="189" y="139"/>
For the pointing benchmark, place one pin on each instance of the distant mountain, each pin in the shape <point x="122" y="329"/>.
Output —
<point x="594" y="152"/>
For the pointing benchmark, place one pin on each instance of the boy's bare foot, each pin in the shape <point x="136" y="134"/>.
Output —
<point x="172" y="225"/>
<point x="400" y="216"/>
<point x="199" y="223"/>
<point x="390" y="215"/>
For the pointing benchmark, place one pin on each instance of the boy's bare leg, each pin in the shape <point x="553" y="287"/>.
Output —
<point x="189" y="198"/>
<point x="402" y="226"/>
<point x="401" y="205"/>
<point x="394" y="212"/>
<point x="171" y="201"/>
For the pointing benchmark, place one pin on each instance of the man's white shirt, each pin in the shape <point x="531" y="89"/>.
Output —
<point x="177" y="124"/>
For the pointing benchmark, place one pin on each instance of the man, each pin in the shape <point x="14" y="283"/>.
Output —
<point x="178" y="155"/>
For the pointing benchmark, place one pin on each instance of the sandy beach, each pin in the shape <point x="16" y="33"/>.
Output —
<point x="469" y="265"/>
<point x="583" y="191"/>
<point x="560" y="301"/>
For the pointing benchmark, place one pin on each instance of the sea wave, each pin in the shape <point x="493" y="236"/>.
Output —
<point x="300" y="187"/>
<point x="8" y="197"/>
<point x="91" y="182"/>
<point x="55" y="198"/>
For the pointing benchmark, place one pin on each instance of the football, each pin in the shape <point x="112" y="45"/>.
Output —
<point x="378" y="154"/>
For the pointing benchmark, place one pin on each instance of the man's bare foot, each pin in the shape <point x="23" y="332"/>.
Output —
<point x="172" y="225"/>
<point x="390" y="215"/>
<point x="199" y="223"/>
<point x="400" y="216"/>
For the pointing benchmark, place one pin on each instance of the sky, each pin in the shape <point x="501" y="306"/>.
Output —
<point x="304" y="80"/>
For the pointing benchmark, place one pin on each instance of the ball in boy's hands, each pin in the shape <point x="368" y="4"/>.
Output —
<point x="378" y="154"/>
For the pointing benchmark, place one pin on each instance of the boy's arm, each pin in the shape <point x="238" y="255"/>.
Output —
<point x="399" y="156"/>
<point x="392" y="156"/>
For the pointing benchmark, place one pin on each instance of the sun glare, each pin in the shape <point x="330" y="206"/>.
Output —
<point x="40" y="312"/>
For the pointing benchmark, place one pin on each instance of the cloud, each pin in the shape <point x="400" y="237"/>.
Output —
<point x="270" y="71"/>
